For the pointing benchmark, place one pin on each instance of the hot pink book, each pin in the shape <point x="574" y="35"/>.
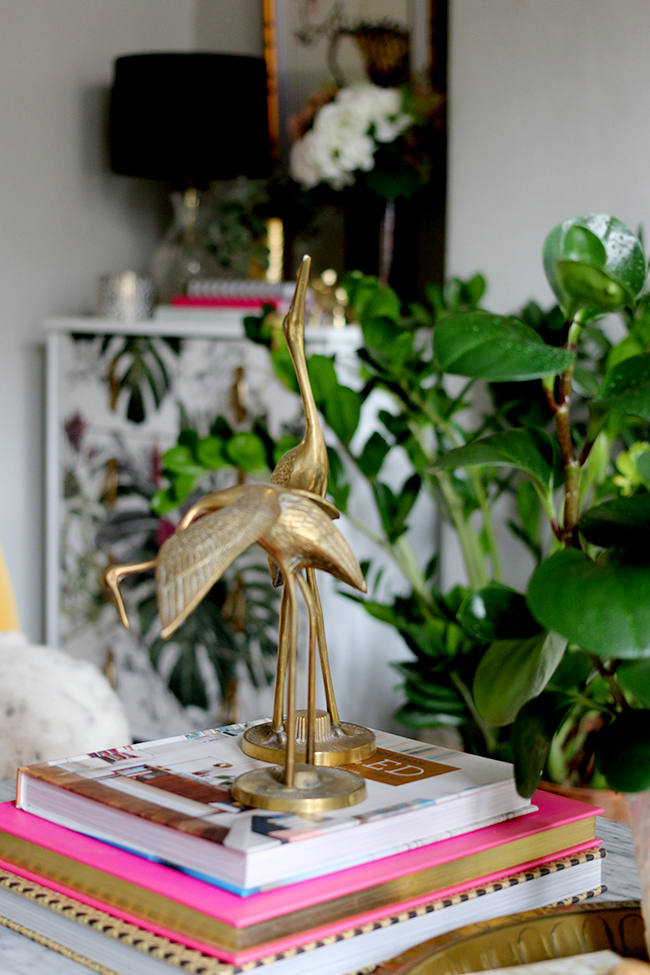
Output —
<point x="543" y="826"/>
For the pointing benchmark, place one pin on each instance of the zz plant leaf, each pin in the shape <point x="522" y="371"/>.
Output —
<point x="529" y="450"/>
<point x="481" y="345"/>
<point x="497" y="612"/>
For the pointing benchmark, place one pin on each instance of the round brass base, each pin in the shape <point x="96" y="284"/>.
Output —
<point x="315" y="790"/>
<point x="345" y="745"/>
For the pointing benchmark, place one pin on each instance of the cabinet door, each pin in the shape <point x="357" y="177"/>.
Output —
<point x="117" y="403"/>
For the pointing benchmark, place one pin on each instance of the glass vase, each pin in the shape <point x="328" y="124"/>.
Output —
<point x="182" y="255"/>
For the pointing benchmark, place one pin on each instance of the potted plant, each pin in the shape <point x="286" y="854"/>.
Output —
<point x="555" y="675"/>
<point x="576" y="643"/>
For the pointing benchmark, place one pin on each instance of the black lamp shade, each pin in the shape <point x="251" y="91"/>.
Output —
<point x="189" y="117"/>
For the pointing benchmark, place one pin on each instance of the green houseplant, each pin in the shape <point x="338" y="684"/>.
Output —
<point x="556" y="677"/>
<point x="576" y="643"/>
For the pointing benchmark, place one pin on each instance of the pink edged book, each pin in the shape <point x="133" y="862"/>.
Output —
<point x="559" y="834"/>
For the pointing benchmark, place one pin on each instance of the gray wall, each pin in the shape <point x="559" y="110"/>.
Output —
<point x="64" y="219"/>
<point x="549" y="109"/>
<point x="229" y="26"/>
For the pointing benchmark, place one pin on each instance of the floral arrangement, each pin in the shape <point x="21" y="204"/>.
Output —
<point x="364" y="132"/>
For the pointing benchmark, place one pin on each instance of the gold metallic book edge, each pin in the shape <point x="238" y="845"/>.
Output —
<point x="195" y="962"/>
<point x="170" y="914"/>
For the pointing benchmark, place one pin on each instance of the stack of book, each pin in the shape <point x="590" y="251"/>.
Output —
<point x="137" y="860"/>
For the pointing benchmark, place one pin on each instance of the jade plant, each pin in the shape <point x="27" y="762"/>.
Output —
<point x="567" y="661"/>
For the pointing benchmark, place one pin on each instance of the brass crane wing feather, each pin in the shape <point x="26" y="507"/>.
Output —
<point x="308" y="538"/>
<point x="194" y="558"/>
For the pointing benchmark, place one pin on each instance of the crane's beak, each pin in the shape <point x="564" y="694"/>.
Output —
<point x="112" y="583"/>
<point x="294" y="322"/>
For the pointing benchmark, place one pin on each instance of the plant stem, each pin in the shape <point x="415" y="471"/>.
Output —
<point x="488" y="732"/>
<point x="609" y="677"/>
<point x="401" y="553"/>
<point x="449" y="432"/>
<point x="469" y="543"/>
<point x="572" y="466"/>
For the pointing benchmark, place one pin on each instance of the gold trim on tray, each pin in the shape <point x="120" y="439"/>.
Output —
<point x="521" y="939"/>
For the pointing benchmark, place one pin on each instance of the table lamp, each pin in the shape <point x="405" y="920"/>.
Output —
<point x="188" y="118"/>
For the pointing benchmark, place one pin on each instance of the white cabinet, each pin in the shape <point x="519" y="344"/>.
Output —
<point x="100" y="462"/>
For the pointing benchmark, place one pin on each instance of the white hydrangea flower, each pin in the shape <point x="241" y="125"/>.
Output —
<point x="345" y="135"/>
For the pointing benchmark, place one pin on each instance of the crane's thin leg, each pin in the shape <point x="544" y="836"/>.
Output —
<point x="112" y="577"/>
<point x="311" y="672"/>
<point x="322" y="648"/>
<point x="281" y="667"/>
<point x="292" y="620"/>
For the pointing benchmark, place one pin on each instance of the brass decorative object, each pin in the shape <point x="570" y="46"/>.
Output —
<point x="547" y="933"/>
<point x="296" y="529"/>
<point x="306" y="467"/>
<point x="293" y="522"/>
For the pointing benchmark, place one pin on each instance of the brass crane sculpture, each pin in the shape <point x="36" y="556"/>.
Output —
<point x="296" y="529"/>
<point x="306" y="467"/>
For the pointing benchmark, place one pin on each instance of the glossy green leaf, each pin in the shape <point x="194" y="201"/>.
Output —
<point x="619" y="521"/>
<point x="284" y="368"/>
<point x="186" y="680"/>
<point x="373" y="455"/>
<point x="246" y="451"/>
<point x="384" y="303"/>
<point x="414" y="717"/>
<point x="623" y="752"/>
<point x="602" y="606"/>
<point x="532" y="734"/>
<point x="511" y="672"/>
<point x="573" y="670"/>
<point x="164" y="501"/>
<point x="379" y="335"/>
<point x="497" y="612"/>
<point x="394" y="509"/>
<point x="626" y="387"/>
<point x="481" y="345"/>
<point x="594" y="262"/>
<point x="339" y="486"/>
<point x="342" y="410"/>
<point x="643" y="467"/>
<point x="322" y="376"/>
<point x="634" y="677"/>
<point x="179" y="460"/>
<point x="183" y="486"/>
<point x="209" y="452"/>
<point x="529" y="450"/>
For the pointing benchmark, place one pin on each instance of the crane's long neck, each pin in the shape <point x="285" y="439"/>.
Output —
<point x="313" y="433"/>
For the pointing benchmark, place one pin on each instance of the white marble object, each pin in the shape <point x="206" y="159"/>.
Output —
<point x="52" y="706"/>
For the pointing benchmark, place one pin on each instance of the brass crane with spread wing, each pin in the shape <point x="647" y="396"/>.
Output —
<point x="296" y="530"/>
<point x="306" y="467"/>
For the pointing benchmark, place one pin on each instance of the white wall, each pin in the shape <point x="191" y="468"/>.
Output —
<point x="64" y="219"/>
<point x="549" y="117"/>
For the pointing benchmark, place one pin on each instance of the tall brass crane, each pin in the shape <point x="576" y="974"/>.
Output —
<point x="296" y="530"/>
<point x="305" y="467"/>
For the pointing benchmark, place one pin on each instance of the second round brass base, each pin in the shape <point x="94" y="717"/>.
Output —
<point x="345" y="745"/>
<point x="315" y="790"/>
